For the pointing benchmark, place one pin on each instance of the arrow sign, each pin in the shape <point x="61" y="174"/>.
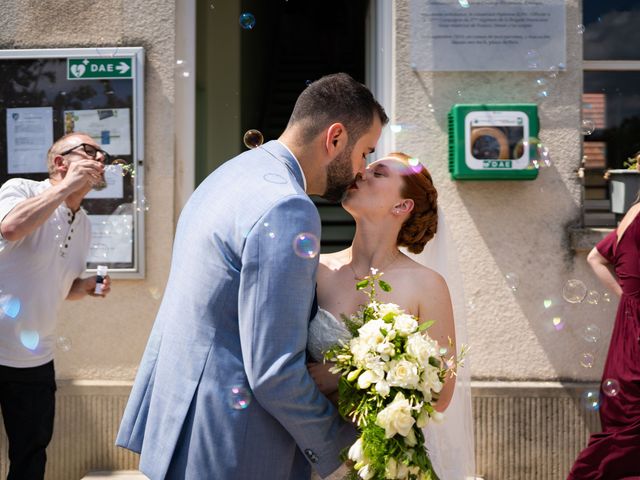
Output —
<point x="92" y="68"/>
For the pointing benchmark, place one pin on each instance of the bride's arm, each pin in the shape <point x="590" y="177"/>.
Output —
<point x="435" y="304"/>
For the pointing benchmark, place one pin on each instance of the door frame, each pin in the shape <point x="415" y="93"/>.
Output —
<point x="380" y="75"/>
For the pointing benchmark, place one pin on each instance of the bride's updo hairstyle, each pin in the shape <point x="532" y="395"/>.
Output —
<point x="422" y="223"/>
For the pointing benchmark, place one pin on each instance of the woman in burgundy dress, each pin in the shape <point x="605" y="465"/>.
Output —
<point x="614" y="453"/>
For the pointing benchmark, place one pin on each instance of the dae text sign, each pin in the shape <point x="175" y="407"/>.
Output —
<point x="83" y="68"/>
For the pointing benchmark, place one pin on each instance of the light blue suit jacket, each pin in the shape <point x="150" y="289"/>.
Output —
<point x="234" y="319"/>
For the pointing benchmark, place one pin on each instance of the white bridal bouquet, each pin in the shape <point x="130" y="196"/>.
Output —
<point x="391" y="373"/>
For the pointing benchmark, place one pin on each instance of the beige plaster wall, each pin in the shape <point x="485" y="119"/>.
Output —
<point x="510" y="227"/>
<point x="109" y="335"/>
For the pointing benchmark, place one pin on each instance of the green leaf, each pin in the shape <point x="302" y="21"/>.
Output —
<point x="362" y="284"/>
<point x="384" y="285"/>
<point x="423" y="326"/>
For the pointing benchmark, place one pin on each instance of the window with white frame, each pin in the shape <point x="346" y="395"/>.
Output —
<point x="610" y="101"/>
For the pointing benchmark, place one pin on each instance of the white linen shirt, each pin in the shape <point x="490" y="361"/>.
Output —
<point x="37" y="271"/>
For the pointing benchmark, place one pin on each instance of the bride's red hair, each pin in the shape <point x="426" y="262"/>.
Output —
<point x="422" y="223"/>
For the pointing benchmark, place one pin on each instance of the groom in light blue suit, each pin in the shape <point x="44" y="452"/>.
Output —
<point x="222" y="391"/>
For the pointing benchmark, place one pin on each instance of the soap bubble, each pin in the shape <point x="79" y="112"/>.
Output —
<point x="574" y="291"/>
<point x="591" y="400"/>
<point x="268" y="229"/>
<point x="606" y="298"/>
<point x="99" y="251"/>
<point x="155" y="293"/>
<point x="308" y="82"/>
<point x="610" y="387"/>
<point x="443" y="351"/>
<point x="306" y="245"/>
<point x="558" y="322"/>
<point x="253" y="138"/>
<point x="553" y="71"/>
<point x="591" y="333"/>
<point x="182" y="68"/>
<point x="63" y="343"/>
<point x="122" y="166"/>
<point x="239" y="398"/>
<point x="513" y="281"/>
<point x="10" y="305"/>
<point x="587" y="359"/>
<point x="30" y="339"/>
<point x="588" y="126"/>
<point x="533" y="59"/>
<point x="539" y="155"/>
<point x="593" y="297"/>
<point x="247" y="21"/>
<point x="580" y="29"/>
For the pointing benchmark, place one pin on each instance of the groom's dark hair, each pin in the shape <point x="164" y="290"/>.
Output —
<point x="336" y="98"/>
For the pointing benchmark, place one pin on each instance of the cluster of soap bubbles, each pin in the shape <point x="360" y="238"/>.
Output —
<point x="543" y="83"/>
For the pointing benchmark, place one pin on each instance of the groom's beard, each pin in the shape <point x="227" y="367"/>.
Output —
<point x="339" y="176"/>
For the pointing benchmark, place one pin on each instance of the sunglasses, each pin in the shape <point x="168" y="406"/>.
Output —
<point x="90" y="150"/>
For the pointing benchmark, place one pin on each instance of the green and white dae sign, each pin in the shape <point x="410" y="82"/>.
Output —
<point x="81" y="68"/>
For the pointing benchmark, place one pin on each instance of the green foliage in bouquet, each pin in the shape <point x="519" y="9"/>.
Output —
<point x="391" y="374"/>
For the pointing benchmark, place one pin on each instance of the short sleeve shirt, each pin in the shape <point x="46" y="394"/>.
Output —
<point x="36" y="273"/>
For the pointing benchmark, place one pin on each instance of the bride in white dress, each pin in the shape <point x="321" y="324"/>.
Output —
<point x="395" y="208"/>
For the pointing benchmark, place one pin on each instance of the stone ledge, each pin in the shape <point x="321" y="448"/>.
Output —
<point x="584" y="239"/>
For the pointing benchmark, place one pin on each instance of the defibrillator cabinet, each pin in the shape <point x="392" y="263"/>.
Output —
<point x="493" y="142"/>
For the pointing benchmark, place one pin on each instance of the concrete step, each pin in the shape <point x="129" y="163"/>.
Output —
<point x="116" y="475"/>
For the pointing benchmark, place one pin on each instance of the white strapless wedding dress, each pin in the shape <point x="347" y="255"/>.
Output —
<point x="325" y="331"/>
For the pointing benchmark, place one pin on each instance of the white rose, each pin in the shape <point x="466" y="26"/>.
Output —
<point x="386" y="349"/>
<point x="391" y="469"/>
<point x="367" y="378"/>
<point x="360" y="350"/>
<point x="386" y="308"/>
<point x="396" y="417"/>
<point x="356" y="452"/>
<point x="403" y="373"/>
<point x="431" y="380"/>
<point x="420" y="348"/>
<point x="370" y="332"/>
<point x="405" y="324"/>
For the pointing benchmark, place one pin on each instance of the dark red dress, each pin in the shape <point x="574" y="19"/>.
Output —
<point x="614" y="453"/>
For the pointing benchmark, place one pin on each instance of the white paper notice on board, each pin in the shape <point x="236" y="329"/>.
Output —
<point x="488" y="35"/>
<point x="114" y="181"/>
<point x="109" y="127"/>
<point x="29" y="136"/>
<point x="111" y="239"/>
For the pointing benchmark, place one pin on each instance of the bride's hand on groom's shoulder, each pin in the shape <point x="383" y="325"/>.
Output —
<point x="327" y="382"/>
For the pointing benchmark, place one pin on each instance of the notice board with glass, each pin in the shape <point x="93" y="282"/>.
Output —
<point x="47" y="93"/>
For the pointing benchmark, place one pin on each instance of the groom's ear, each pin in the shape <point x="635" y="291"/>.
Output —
<point x="336" y="139"/>
<point x="406" y="206"/>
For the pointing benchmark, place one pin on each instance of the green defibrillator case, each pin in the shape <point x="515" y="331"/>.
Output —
<point x="493" y="142"/>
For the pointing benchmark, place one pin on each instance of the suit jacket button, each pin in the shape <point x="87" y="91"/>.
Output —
<point x="311" y="456"/>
